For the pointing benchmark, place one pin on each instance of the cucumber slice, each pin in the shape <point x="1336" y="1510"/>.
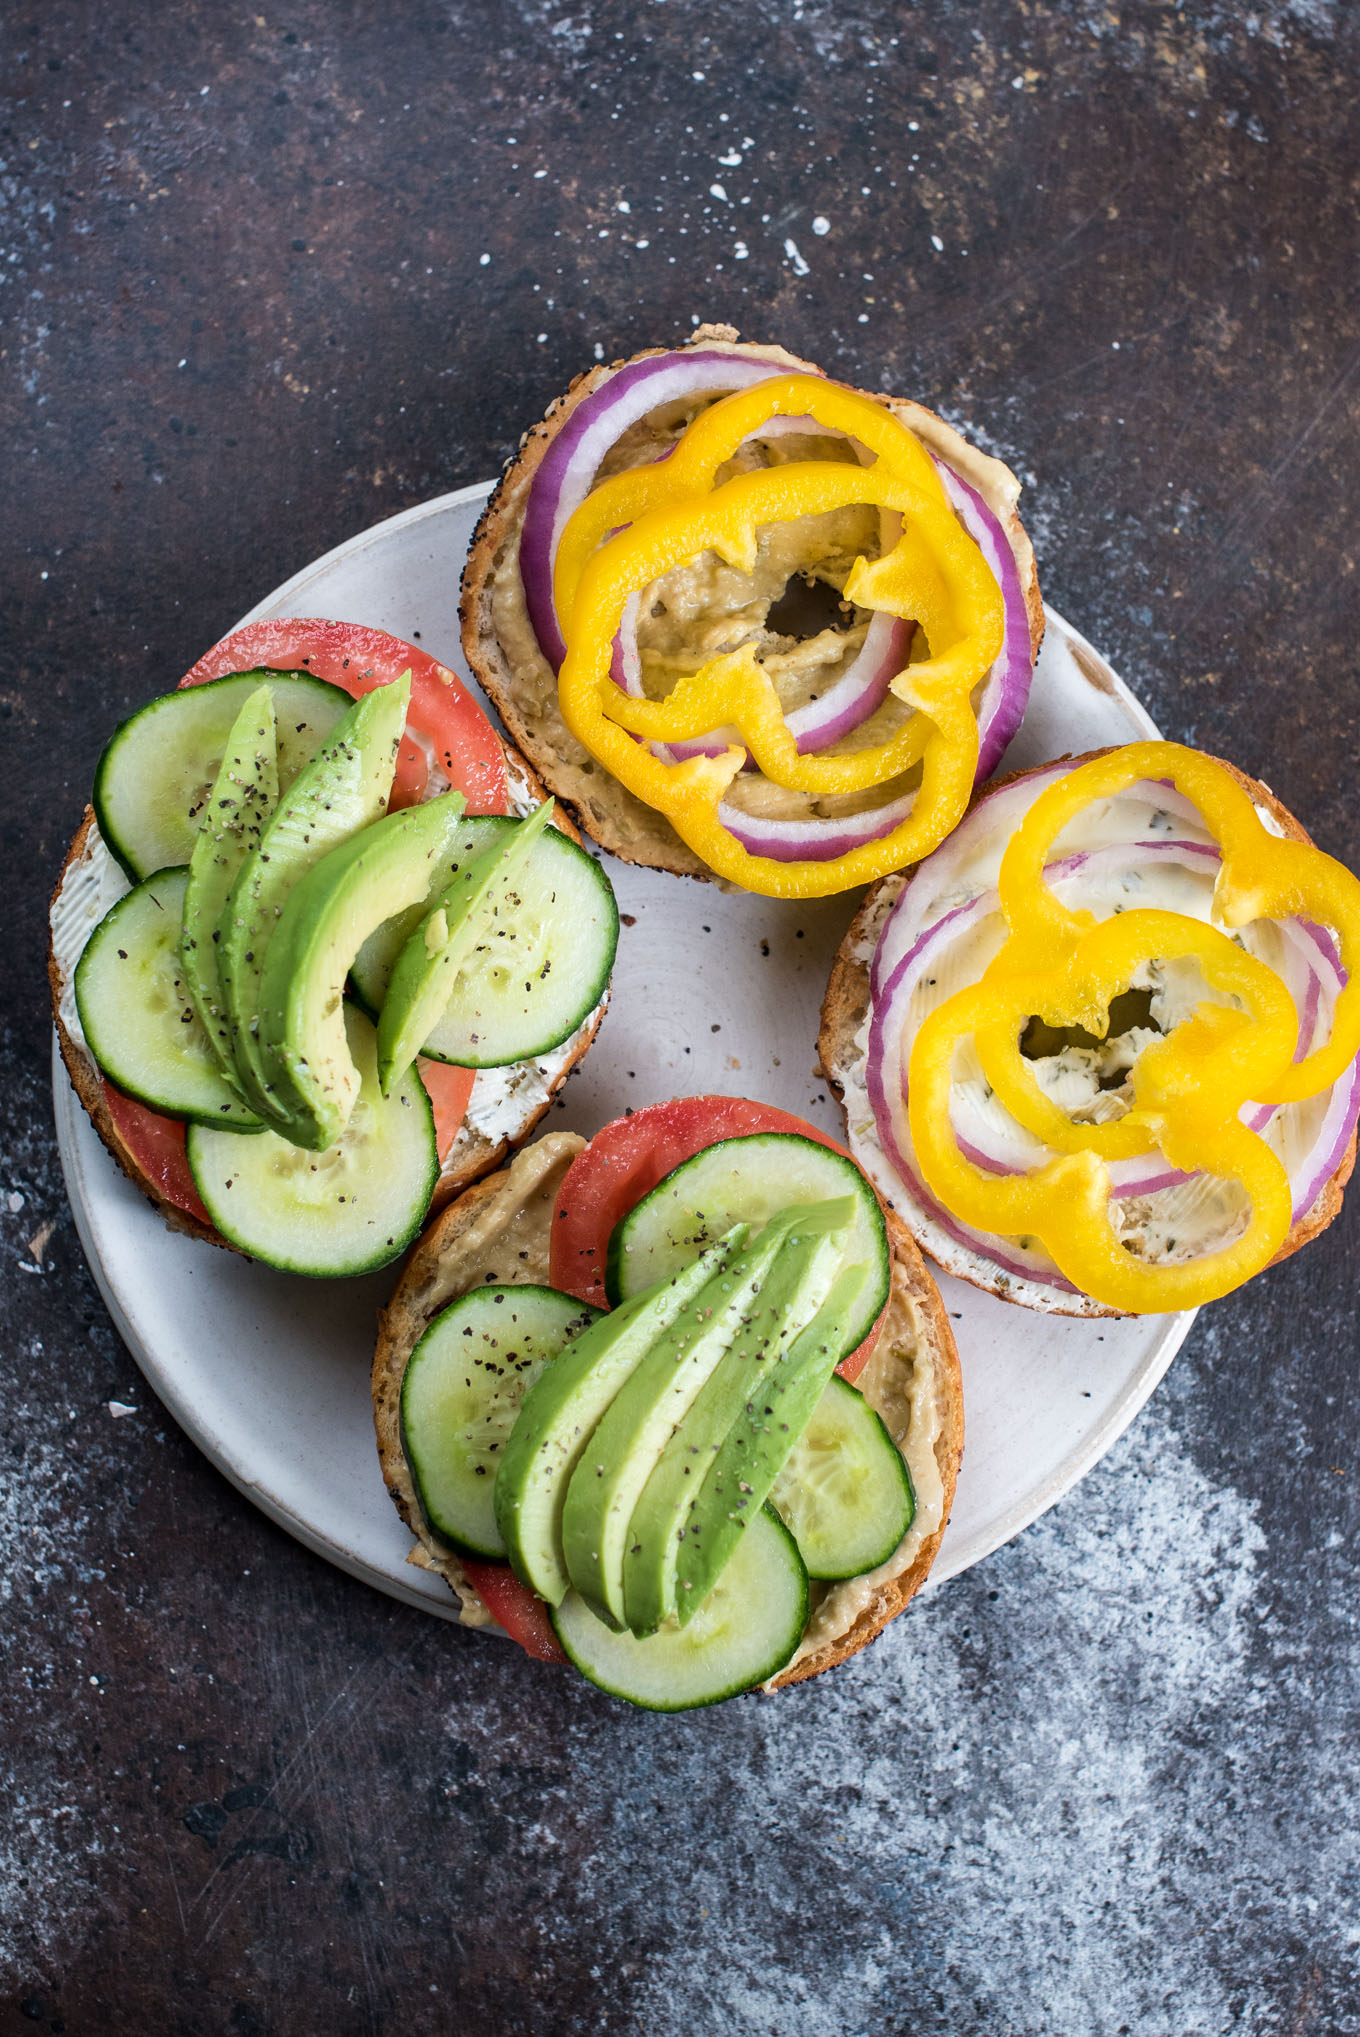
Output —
<point x="137" y="1015"/>
<point x="844" y="1493"/>
<point x="744" y="1632"/>
<point x="530" y="982"/>
<point x="158" y="766"/>
<point x="346" y="1211"/>
<point x="460" y="1395"/>
<point x="747" y="1181"/>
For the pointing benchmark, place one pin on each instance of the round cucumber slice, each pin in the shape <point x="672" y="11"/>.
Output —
<point x="745" y="1631"/>
<point x="844" y="1493"/>
<point x="461" y="1392"/>
<point x="534" y="976"/>
<point x="138" y="1018"/>
<point x="159" y="765"/>
<point x="747" y="1181"/>
<point x="353" y="1208"/>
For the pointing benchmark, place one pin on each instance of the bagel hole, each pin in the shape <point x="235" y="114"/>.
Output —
<point x="1131" y="1009"/>
<point x="806" y="608"/>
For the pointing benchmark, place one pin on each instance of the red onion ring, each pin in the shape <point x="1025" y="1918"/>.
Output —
<point x="796" y="841"/>
<point x="567" y="470"/>
<point x="1005" y="690"/>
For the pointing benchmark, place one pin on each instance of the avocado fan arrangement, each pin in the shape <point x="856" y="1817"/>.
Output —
<point x="290" y="947"/>
<point x="670" y="1475"/>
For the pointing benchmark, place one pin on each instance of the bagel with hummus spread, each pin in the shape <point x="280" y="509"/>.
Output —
<point x="750" y="623"/>
<point x="680" y="1403"/>
<point x="1099" y="1051"/>
<point x="321" y="950"/>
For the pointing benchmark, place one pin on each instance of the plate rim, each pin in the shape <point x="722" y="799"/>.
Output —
<point x="75" y="1155"/>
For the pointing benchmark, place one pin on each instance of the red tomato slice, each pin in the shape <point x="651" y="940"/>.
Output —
<point x="351" y="655"/>
<point x="520" y="1611"/>
<point x="448" y="1090"/>
<point x="156" y="1143"/>
<point x="625" y="1161"/>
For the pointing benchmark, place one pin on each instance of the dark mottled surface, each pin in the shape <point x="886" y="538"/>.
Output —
<point x="269" y="277"/>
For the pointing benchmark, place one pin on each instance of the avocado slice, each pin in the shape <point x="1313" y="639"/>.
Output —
<point x="747" y="1384"/>
<point x="244" y="795"/>
<point x="631" y="1435"/>
<point x="747" y="1463"/>
<point x="423" y="977"/>
<point x="327" y="917"/>
<point x="561" y="1409"/>
<point x="342" y="789"/>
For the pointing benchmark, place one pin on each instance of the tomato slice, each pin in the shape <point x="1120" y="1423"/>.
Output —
<point x="520" y="1611"/>
<point x="156" y="1143"/>
<point x="448" y="1090"/>
<point x="443" y="714"/>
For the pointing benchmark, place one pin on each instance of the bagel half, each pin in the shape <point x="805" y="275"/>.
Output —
<point x="841" y="1048"/>
<point x="499" y="1231"/>
<point x="505" y="1105"/>
<point x="503" y="652"/>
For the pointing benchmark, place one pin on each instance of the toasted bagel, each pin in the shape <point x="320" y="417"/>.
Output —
<point x="499" y="1230"/>
<point x="840" y="1046"/>
<point x="78" y="903"/>
<point x="505" y="657"/>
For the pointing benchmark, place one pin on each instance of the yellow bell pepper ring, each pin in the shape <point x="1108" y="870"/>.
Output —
<point x="933" y="574"/>
<point x="1188" y="1089"/>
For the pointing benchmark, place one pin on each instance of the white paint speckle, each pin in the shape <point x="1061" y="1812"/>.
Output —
<point x="796" y="262"/>
<point x="821" y="224"/>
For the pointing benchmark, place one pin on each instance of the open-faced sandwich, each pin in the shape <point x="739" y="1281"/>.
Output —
<point x="1099" y="1051"/>
<point x="748" y="622"/>
<point x="321" y="949"/>
<point x="680" y="1404"/>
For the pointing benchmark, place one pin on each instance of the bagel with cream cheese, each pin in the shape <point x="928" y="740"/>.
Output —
<point x="920" y="936"/>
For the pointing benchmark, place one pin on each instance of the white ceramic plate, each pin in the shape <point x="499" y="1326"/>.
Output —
<point x="269" y="1373"/>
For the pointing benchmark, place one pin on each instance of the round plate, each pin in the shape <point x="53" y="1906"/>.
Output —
<point x="713" y="991"/>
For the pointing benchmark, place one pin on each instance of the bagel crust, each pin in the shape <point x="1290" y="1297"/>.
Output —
<point x="473" y="1154"/>
<point x="500" y="1230"/>
<point x="845" y="1008"/>
<point x="504" y="655"/>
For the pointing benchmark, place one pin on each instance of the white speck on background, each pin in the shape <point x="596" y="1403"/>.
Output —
<point x="821" y="224"/>
<point x="799" y="266"/>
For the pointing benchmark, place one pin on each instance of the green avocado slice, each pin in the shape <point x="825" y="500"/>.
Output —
<point x="327" y="917"/>
<point x="342" y="789"/>
<point x="561" y="1409"/>
<point x="235" y="815"/>
<point x="748" y="1385"/>
<point x="631" y="1435"/>
<point x="767" y="1429"/>
<point x="423" y="977"/>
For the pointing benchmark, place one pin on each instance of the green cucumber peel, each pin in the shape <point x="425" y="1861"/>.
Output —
<point x="425" y="971"/>
<point x="235" y="815"/>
